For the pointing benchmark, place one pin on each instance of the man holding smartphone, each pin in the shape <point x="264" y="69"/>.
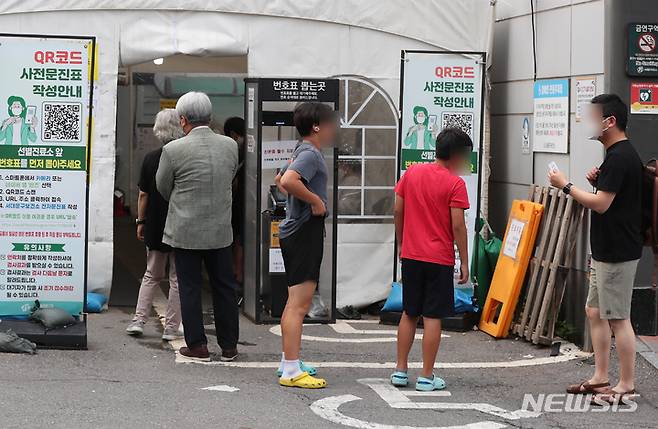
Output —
<point x="616" y="243"/>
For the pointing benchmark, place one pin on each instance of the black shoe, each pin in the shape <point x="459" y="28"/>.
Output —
<point x="229" y="355"/>
<point x="348" y="312"/>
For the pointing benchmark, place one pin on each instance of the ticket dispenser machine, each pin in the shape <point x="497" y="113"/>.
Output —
<point x="270" y="141"/>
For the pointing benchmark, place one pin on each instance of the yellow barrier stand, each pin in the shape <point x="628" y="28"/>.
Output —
<point x="513" y="261"/>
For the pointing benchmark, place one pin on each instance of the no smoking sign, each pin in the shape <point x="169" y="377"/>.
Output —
<point x="642" y="57"/>
<point x="646" y="42"/>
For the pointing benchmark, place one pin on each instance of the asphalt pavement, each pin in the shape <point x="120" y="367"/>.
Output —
<point x="125" y="382"/>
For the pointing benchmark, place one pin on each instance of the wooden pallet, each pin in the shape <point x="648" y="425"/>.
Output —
<point x="546" y="281"/>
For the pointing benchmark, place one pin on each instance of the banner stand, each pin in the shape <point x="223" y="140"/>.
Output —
<point x="46" y="99"/>
<point x="440" y="89"/>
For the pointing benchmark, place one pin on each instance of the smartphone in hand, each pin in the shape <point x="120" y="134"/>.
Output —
<point x="552" y="166"/>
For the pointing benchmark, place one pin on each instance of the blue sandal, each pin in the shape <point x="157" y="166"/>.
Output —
<point x="305" y="368"/>
<point x="425" y="384"/>
<point x="399" y="379"/>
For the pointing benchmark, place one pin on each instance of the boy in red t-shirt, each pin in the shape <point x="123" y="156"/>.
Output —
<point x="429" y="218"/>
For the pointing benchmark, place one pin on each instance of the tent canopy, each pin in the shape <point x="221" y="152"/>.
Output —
<point x="445" y="24"/>
<point x="288" y="38"/>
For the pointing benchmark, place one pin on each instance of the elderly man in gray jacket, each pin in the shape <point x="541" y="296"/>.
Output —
<point x="196" y="174"/>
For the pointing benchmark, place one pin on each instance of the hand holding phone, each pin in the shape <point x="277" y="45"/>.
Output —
<point x="552" y="166"/>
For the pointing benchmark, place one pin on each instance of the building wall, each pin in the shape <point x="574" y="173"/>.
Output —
<point x="569" y="44"/>
<point x="642" y="131"/>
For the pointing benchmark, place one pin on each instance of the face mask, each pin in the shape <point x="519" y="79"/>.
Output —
<point x="593" y="129"/>
<point x="16" y="111"/>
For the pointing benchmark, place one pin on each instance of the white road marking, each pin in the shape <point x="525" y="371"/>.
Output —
<point x="344" y="328"/>
<point x="431" y="393"/>
<point x="568" y="352"/>
<point x="222" y="388"/>
<point x="327" y="408"/>
<point x="399" y="399"/>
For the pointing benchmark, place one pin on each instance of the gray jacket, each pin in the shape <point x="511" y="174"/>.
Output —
<point x="196" y="174"/>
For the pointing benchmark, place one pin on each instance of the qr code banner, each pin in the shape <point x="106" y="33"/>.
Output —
<point x="62" y="122"/>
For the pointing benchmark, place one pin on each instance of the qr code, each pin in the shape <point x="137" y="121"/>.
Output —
<point x="62" y="122"/>
<point x="463" y="121"/>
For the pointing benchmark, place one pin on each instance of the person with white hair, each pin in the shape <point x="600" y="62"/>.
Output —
<point x="151" y="216"/>
<point x="196" y="174"/>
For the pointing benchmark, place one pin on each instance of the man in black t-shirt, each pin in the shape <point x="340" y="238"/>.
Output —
<point x="616" y="244"/>
<point x="234" y="128"/>
<point x="151" y="218"/>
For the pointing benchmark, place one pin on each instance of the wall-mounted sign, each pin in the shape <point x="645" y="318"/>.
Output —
<point x="585" y="91"/>
<point x="299" y="89"/>
<point x="644" y="98"/>
<point x="551" y="116"/>
<point x="168" y="103"/>
<point x="46" y="93"/>
<point x="642" y="54"/>
<point x="525" y="136"/>
<point x="441" y="90"/>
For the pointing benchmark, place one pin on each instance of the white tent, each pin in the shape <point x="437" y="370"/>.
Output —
<point x="310" y="38"/>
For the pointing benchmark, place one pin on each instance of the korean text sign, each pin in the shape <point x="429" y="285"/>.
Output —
<point x="45" y="96"/>
<point x="551" y="116"/>
<point x="642" y="50"/>
<point x="441" y="90"/>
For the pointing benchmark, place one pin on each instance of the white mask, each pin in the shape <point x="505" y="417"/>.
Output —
<point x="593" y="129"/>
<point x="16" y="111"/>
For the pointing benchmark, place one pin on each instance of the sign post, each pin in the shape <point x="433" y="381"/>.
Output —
<point x="440" y="90"/>
<point x="45" y="128"/>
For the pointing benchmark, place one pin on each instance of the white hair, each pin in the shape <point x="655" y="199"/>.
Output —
<point x="195" y="107"/>
<point x="167" y="126"/>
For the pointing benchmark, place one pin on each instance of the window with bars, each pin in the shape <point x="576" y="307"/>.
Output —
<point x="367" y="152"/>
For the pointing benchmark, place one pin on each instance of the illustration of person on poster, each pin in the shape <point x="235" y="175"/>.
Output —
<point x="420" y="136"/>
<point x="19" y="127"/>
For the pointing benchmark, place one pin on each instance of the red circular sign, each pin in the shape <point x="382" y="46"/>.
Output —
<point x="646" y="42"/>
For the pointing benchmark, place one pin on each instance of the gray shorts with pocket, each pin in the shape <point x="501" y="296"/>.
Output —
<point x="611" y="288"/>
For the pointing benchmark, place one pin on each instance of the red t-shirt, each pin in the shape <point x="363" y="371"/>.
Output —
<point x="429" y="191"/>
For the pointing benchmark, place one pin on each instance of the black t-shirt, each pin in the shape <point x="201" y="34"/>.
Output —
<point x="237" y="208"/>
<point x="616" y="234"/>
<point x="156" y="209"/>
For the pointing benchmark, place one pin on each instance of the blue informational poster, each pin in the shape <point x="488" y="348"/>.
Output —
<point x="551" y="116"/>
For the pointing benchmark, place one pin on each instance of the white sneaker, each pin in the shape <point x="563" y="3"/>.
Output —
<point x="136" y="328"/>
<point x="171" y="334"/>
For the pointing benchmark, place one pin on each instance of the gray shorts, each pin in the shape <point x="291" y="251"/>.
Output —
<point x="611" y="288"/>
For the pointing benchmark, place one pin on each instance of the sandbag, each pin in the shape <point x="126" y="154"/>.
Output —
<point x="492" y="248"/>
<point x="394" y="300"/>
<point x="12" y="343"/>
<point x="464" y="301"/>
<point x="95" y="302"/>
<point x="485" y="260"/>
<point x="51" y="317"/>
<point x="481" y="270"/>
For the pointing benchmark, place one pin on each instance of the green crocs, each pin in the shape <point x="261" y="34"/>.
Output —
<point x="305" y="368"/>
<point x="425" y="384"/>
<point x="399" y="379"/>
